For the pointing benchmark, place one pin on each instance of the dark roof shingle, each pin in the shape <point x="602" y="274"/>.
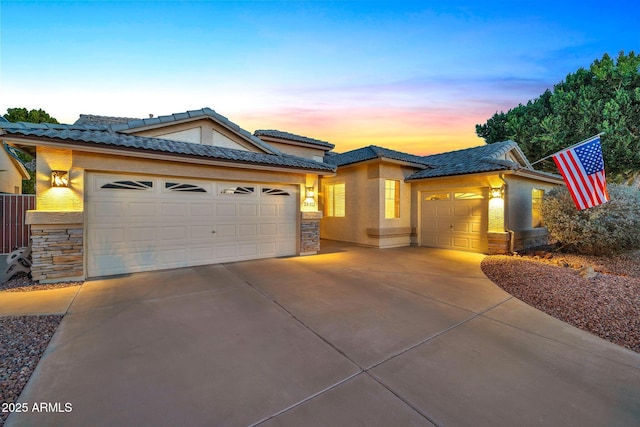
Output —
<point x="124" y="124"/>
<point x="95" y="135"/>
<point x="292" y="137"/>
<point x="373" y="152"/>
<point x="485" y="158"/>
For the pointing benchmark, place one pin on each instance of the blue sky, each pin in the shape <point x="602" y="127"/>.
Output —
<point x="413" y="76"/>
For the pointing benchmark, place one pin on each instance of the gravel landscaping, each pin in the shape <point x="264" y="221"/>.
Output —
<point x="23" y="340"/>
<point x="600" y="295"/>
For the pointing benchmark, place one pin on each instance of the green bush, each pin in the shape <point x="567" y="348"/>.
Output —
<point x="607" y="229"/>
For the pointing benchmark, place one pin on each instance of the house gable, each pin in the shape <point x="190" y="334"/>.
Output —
<point x="297" y="145"/>
<point x="203" y="126"/>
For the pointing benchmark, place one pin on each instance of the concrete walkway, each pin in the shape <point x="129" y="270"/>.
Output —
<point x="355" y="336"/>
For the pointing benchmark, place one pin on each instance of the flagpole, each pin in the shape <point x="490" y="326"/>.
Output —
<point x="568" y="148"/>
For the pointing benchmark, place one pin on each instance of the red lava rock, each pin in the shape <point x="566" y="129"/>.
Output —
<point x="606" y="302"/>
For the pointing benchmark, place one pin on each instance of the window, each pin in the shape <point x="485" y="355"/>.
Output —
<point x="237" y="190"/>
<point x="536" y="208"/>
<point x="129" y="185"/>
<point x="274" y="192"/>
<point x="334" y="202"/>
<point x="437" y="196"/>
<point x="391" y="198"/>
<point x="175" y="186"/>
<point x="468" y="196"/>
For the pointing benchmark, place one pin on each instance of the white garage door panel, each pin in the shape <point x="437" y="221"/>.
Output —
<point x="455" y="219"/>
<point x="151" y="223"/>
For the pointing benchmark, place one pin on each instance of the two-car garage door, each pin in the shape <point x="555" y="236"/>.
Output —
<point x="143" y="223"/>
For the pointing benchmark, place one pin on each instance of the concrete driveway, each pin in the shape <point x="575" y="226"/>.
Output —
<point x="354" y="336"/>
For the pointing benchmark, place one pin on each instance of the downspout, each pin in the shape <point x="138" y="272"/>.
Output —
<point x="506" y="215"/>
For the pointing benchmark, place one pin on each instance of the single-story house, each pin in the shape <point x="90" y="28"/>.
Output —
<point x="117" y="195"/>
<point x="482" y="199"/>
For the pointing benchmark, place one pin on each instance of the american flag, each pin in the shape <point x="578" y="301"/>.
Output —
<point x="582" y="168"/>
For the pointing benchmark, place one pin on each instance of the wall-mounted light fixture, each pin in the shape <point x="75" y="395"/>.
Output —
<point x="309" y="193"/>
<point x="496" y="193"/>
<point x="59" y="178"/>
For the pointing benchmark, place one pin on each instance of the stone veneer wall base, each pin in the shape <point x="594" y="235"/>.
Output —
<point x="57" y="246"/>
<point x="310" y="233"/>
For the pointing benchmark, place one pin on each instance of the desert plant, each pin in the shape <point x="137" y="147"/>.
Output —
<point x="607" y="229"/>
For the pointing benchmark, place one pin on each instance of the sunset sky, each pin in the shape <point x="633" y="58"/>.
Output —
<point x="411" y="76"/>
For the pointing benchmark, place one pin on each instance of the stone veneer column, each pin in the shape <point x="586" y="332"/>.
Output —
<point x="499" y="243"/>
<point x="310" y="232"/>
<point x="57" y="245"/>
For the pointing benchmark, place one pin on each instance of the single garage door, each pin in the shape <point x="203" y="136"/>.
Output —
<point x="455" y="219"/>
<point x="143" y="223"/>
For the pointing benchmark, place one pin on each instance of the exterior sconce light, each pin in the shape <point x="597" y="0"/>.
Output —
<point x="309" y="193"/>
<point x="496" y="193"/>
<point x="59" y="178"/>
<point x="309" y="202"/>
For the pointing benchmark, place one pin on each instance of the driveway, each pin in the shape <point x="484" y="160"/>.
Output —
<point x="354" y="336"/>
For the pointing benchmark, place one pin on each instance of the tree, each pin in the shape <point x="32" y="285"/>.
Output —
<point x="604" y="98"/>
<point x="32" y="116"/>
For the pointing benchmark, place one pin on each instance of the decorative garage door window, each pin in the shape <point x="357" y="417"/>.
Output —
<point x="274" y="192"/>
<point x="190" y="188"/>
<point x="438" y="196"/>
<point x="129" y="185"/>
<point x="238" y="190"/>
<point x="468" y="196"/>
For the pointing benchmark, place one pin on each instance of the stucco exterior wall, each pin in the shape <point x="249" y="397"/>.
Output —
<point x="106" y="163"/>
<point x="364" y="222"/>
<point x="210" y="133"/>
<point x="305" y="152"/>
<point x="518" y="211"/>
<point x="359" y="196"/>
<point x="58" y="199"/>
<point x="10" y="177"/>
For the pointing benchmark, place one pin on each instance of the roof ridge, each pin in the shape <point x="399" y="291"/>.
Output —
<point x="275" y="133"/>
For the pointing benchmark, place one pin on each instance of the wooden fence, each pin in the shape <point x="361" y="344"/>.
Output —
<point x="15" y="233"/>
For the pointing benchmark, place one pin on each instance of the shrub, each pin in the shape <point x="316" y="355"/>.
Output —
<point x="607" y="229"/>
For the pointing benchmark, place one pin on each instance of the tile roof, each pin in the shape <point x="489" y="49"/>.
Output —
<point x="292" y="137"/>
<point x="373" y="152"/>
<point x="125" y="124"/>
<point x="91" y="119"/>
<point x="485" y="158"/>
<point x="93" y="135"/>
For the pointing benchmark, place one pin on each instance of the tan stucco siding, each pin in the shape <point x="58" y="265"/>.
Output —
<point x="58" y="199"/>
<point x="211" y="133"/>
<point x="364" y="222"/>
<point x="10" y="177"/>
<point x="402" y="225"/>
<point x="304" y="152"/>
<point x="519" y="200"/>
<point x="122" y="164"/>
<point x="361" y="196"/>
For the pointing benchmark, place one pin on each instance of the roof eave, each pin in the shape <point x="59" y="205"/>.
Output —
<point x="102" y="148"/>
<point x="539" y="175"/>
